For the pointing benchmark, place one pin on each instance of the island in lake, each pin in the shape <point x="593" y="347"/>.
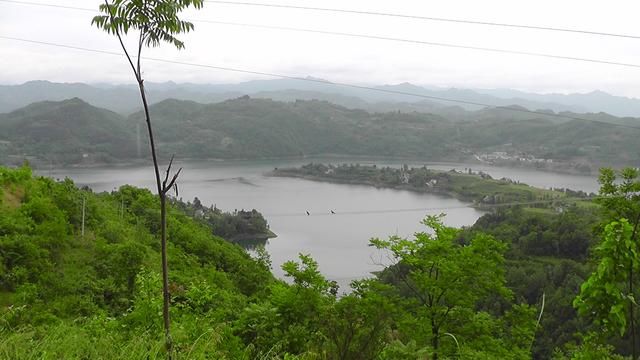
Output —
<point x="476" y="187"/>
<point x="243" y="227"/>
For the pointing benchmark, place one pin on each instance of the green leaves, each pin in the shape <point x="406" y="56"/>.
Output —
<point x="306" y="275"/>
<point x="609" y="294"/>
<point x="606" y="294"/>
<point x="156" y="20"/>
<point x="444" y="282"/>
<point x="620" y="193"/>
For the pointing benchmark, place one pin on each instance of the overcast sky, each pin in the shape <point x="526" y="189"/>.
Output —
<point x="344" y="59"/>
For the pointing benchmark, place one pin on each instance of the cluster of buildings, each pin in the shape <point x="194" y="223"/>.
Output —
<point x="497" y="156"/>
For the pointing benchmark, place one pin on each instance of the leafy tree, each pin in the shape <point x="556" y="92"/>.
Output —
<point x="290" y="321"/>
<point x="444" y="281"/>
<point x="610" y="293"/>
<point x="358" y="325"/>
<point x="620" y="194"/>
<point x="590" y="349"/>
<point x="156" y="21"/>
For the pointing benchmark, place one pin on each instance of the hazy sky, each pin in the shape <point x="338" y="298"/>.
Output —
<point x="355" y="60"/>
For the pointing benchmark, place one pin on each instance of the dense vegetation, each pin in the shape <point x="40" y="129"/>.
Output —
<point x="478" y="188"/>
<point x="62" y="132"/>
<point x="243" y="227"/>
<point x="61" y="289"/>
<point x="259" y="128"/>
<point x="251" y="128"/>
<point x="449" y="293"/>
<point x="547" y="257"/>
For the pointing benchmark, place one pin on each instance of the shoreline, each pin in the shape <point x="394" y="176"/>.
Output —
<point x="469" y="162"/>
<point x="481" y="198"/>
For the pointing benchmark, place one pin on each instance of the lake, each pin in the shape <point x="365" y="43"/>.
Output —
<point x="337" y="241"/>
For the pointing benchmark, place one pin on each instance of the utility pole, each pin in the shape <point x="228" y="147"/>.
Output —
<point x="83" y="204"/>
<point x="138" y="139"/>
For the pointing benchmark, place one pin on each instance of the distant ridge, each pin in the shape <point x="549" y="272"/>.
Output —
<point x="123" y="98"/>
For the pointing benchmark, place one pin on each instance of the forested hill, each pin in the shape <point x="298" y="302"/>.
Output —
<point x="250" y="128"/>
<point x="62" y="132"/>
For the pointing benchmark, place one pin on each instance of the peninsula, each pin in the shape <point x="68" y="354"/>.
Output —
<point x="476" y="187"/>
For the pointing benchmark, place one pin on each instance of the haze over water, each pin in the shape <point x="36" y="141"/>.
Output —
<point x="337" y="241"/>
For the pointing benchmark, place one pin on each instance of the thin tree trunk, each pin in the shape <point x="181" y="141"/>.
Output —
<point x="162" y="187"/>
<point x="632" y="321"/>
<point x="151" y="139"/>
<point x="166" y="296"/>
<point x="435" y="341"/>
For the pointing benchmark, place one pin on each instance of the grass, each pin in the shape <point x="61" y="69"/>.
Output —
<point x="71" y="342"/>
<point x="6" y="299"/>
<point x="12" y="197"/>
<point x="476" y="187"/>
<point x="539" y="211"/>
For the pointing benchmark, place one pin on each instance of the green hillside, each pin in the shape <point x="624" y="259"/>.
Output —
<point x="98" y="295"/>
<point x="245" y="128"/>
<point x="64" y="131"/>
<point x="95" y="296"/>
<point x="251" y="128"/>
<point x="254" y="128"/>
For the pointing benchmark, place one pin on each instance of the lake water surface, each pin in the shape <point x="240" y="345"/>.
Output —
<point x="337" y="241"/>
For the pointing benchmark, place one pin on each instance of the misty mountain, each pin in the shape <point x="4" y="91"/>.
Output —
<point x="124" y="98"/>
<point x="595" y="101"/>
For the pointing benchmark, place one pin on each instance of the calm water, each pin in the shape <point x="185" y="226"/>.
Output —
<point x="337" y="241"/>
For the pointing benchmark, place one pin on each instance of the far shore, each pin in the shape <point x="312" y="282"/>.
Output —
<point x="43" y="166"/>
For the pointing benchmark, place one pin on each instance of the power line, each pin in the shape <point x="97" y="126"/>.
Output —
<point x="325" y="82"/>
<point x="428" y="209"/>
<point x="375" y="13"/>
<point x="429" y="43"/>
<point x="428" y="18"/>
<point x="377" y="37"/>
<point x="468" y="206"/>
<point x="47" y="5"/>
<point x="62" y="45"/>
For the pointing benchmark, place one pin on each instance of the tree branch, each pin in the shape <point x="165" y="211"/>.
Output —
<point x="444" y="316"/>
<point x="414" y="290"/>
<point x="140" y="42"/>
<point x="173" y="181"/>
<point x="166" y="177"/>
<point x="124" y="48"/>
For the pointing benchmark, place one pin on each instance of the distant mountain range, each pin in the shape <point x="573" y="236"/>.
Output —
<point x="73" y="131"/>
<point x="123" y="99"/>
